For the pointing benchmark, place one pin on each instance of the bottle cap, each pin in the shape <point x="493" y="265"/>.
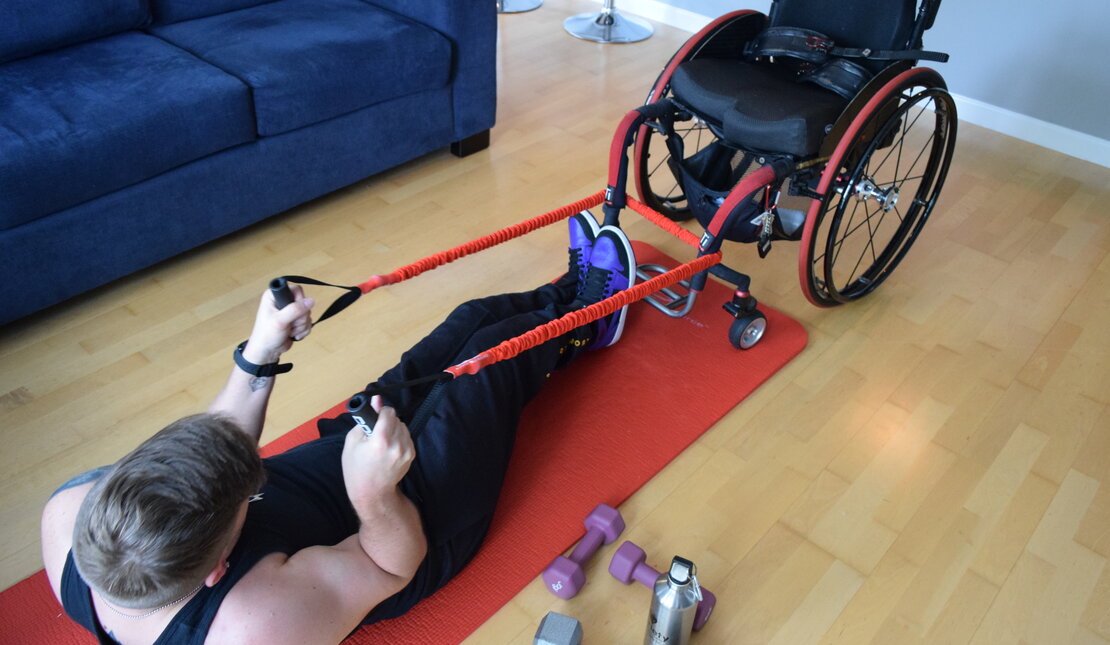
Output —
<point x="681" y="570"/>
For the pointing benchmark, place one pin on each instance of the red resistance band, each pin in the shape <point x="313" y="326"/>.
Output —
<point x="543" y="333"/>
<point x="480" y="244"/>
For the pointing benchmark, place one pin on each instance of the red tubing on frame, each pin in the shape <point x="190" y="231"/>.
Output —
<point x="742" y="191"/>
<point x="482" y="243"/>
<point x="560" y="326"/>
<point x="668" y="225"/>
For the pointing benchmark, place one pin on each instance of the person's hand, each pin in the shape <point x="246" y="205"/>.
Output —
<point x="374" y="465"/>
<point x="274" y="329"/>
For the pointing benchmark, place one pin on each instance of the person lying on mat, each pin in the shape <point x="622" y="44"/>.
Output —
<point x="192" y="538"/>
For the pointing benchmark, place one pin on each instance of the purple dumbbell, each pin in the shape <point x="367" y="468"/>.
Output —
<point x="564" y="576"/>
<point x="630" y="563"/>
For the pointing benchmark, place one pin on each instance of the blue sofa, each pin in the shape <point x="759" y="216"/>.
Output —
<point x="133" y="130"/>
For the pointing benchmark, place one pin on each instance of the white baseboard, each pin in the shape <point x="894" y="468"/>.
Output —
<point x="1055" y="137"/>
<point x="1049" y="135"/>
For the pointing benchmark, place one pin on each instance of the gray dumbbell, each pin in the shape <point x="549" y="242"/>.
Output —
<point x="557" y="629"/>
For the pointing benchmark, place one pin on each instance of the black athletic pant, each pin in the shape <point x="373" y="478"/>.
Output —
<point x="464" y="429"/>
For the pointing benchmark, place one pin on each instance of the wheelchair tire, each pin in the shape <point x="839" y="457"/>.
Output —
<point x="878" y="188"/>
<point x="656" y="183"/>
<point x="746" y="331"/>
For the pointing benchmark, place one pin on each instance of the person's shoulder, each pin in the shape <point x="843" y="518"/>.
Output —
<point x="58" y="518"/>
<point x="246" y="614"/>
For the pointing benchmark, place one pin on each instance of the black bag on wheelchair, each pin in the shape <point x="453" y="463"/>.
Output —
<point x="707" y="177"/>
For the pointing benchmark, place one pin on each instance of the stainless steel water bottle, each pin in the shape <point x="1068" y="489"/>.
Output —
<point x="674" y="600"/>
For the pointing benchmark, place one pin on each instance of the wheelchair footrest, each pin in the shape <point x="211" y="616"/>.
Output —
<point x="674" y="303"/>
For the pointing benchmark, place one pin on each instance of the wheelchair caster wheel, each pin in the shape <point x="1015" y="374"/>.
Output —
<point x="746" y="330"/>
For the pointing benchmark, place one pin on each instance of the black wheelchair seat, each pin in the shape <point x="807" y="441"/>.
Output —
<point x="758" y="106"/>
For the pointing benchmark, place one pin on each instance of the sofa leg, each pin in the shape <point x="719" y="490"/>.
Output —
<point x="471" y="144"/>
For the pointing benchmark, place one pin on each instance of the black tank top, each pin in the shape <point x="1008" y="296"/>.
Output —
<point x="303" y="503"/>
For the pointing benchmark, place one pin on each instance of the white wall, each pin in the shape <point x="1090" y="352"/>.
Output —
<point x="1047" y="61"/>
<point x="1030" y="69"/>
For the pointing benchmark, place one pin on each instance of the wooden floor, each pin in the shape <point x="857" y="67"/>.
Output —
<point x="934" y="467"/>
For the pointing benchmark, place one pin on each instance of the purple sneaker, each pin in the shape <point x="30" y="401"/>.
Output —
<point x="612" y="269"/>
<point x="583" y="231"/>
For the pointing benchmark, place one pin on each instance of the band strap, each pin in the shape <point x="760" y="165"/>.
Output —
<point x="341" y="303"/>
<point x="269" y="369"/>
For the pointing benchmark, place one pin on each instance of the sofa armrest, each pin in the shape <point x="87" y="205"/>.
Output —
<point x="471" y="26"/>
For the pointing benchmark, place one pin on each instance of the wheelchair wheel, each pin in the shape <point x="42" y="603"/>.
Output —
<point x="746" y="331"/>
<point x="879" y="187"/>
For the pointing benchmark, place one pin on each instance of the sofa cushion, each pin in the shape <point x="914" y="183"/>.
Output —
<point x="30" y="26"/>
<point x="310" y="60"/>
<point x="86" y="120"/>
<point x="170" y="11"/>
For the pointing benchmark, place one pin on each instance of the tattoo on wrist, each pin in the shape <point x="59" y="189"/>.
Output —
<point x="259" y="382"/>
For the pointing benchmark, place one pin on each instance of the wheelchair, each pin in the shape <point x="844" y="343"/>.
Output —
<point x="812" y="124"/>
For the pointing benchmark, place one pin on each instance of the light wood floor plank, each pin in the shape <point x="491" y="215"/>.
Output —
<point x="934" y="467"/>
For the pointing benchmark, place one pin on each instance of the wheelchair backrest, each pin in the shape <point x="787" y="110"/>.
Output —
<point x="874" y="24"/>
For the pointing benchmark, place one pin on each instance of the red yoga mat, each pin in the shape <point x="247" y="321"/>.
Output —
<point x="598" y="431"/>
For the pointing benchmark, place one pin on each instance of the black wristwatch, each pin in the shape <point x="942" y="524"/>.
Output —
<point x="269" y="369"/>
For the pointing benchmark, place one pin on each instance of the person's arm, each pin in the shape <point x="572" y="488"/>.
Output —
<point x="390" y="531"/>
<point x="321" y="593"/>
<point x="244" y="397"/>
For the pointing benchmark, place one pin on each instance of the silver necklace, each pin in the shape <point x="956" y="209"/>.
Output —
<point x="152" y="611"/>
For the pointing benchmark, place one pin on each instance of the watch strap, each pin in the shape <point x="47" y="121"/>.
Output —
<point x="269" y="369"/>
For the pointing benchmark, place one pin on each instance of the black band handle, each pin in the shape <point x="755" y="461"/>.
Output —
<point x="283" y="295"/>
<point x="364" y="414"/>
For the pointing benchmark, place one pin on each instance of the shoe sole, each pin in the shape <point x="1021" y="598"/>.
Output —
<point x="591" y="222"/>
<point x="627" y="244"/>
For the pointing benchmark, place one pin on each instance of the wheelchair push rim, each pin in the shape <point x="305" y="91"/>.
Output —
<point x="878" y="189"/>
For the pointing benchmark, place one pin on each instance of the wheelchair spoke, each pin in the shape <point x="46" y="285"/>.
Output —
<point x="906" y="126"/>
<point x="899" y="147"/>
<point x="653" y="170"/>
<point x="839" y="245"/>
<point x="869" y="244"/>
<point x="925" y="147"/>
<point x="867" y="221"/>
